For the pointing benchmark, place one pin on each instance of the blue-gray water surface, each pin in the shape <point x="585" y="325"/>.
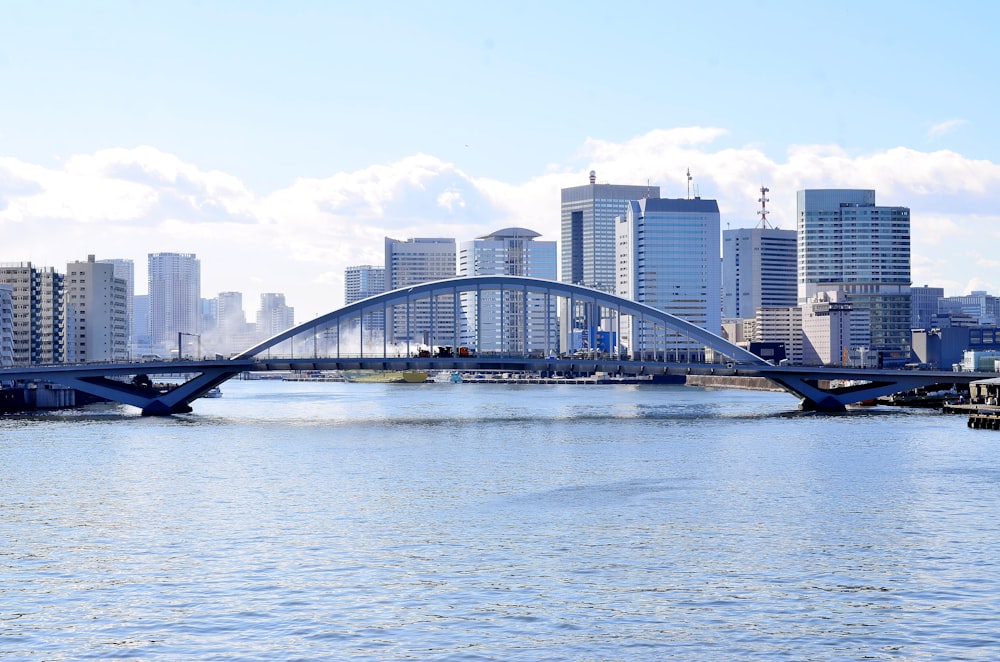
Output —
<point x="479" y="522"/>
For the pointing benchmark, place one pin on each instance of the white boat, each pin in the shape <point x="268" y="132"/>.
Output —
<point x="214" y="392"/>
<point x="444" y="377"/>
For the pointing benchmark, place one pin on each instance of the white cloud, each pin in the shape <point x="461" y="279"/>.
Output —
<point x="944" y="128"/>
<point x="451" y="199"/>
<point x="298" y="240"/>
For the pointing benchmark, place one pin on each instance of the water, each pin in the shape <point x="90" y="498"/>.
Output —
<point x="479" y="522"/>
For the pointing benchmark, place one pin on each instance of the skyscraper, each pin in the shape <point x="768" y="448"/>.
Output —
<point x="668" y="258"/>
<point x="361" y="282"/>
<point x="413" y="262"/>
<point x="588" y="230"/>
<point x="846" y="243"/>
<point x="510" y="252"/>
<point x="758" y="270"/>
<point x="274" y="315"/>
<point x="174" y="298"/>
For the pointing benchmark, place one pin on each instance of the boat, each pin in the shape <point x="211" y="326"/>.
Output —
<point x="214" y="392"/>
<point x="445" y="377"/>
<point x="385" y="376"/>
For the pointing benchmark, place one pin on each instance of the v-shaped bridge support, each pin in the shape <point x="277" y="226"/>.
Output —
<point x="153" y="400"/>
<point x="836" y="398"/>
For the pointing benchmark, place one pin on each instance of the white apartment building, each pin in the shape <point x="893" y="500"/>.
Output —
<point x="6" y="326"/>
<point x="97" y="312"/>
<point x="39" y="329"/>
<point x="125" y="270"/>
<point x="361" y="282"/>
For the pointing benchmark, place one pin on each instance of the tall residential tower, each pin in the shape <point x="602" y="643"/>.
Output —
<point x="361" y="282"/>
<point x="99" y="302"/>
<point x="174" y="298"/>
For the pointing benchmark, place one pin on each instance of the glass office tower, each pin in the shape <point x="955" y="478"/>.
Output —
<point x="846" y="243"/>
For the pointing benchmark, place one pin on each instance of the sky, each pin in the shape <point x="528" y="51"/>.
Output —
<point x="282" y="142"/>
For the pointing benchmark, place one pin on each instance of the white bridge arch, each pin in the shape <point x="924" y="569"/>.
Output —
<point x="603" y="305"/>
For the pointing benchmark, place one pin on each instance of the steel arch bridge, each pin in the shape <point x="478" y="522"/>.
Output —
<point x="511" y="323"/>
<point x="526" y="308"/>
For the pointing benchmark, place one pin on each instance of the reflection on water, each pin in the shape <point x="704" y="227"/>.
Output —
<point x="442" y="521"/>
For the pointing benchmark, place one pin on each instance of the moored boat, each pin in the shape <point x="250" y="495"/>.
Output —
<point x="385" y="376"/>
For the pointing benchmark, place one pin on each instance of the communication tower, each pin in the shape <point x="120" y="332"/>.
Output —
<point x="763" y="211"/>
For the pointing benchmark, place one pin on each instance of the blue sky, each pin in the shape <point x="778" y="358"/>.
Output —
<point x="282" y="141"/>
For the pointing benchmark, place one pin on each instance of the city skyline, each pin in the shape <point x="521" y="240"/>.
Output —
<point x="143" y="129"/>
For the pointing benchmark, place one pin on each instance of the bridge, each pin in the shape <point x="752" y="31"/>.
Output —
<point x="502" y="323"/>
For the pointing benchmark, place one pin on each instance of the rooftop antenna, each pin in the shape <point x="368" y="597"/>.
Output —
<point x="689" y="183"/>
<point x="763" y="211"/>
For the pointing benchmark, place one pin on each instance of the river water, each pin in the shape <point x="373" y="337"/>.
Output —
<point x="490" y="522"/>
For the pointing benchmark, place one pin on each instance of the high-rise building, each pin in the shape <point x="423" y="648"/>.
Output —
<point x="39" y="329"/>
<point x="125" y="270"/>
<point x="413" y="262"/>
<point x="758" y="270"/>
<point x="588" y="230"/>
<point x="846" y="243"/>
<point x="174" y="298"/>
<point x="924" y="305"/>
<point x="230" y="319"/>
<point x="229" y="332"/>
<point x="274" y="315"/>
<point x="99" y="320"/>
<point x="361" y="282"/>
<point x="487" y="317"/>
<point x="6" y="326"/>
<point x="668" y="258"/>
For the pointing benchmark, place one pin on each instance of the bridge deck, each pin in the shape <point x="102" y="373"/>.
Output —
<point x="818" y="388"/>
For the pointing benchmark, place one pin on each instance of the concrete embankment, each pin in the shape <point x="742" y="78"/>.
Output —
<point x="729" y="381"/>
<point x="31" y="397"/>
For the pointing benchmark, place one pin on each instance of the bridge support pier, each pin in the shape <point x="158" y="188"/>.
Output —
<point x="807" y="385"/>
<point x="152" y="400"/>
<point x="157" y="408"/>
